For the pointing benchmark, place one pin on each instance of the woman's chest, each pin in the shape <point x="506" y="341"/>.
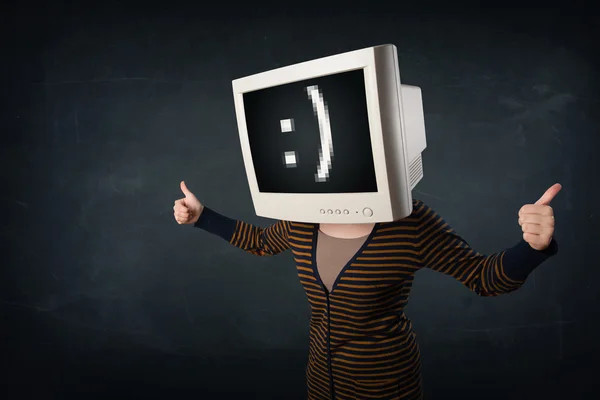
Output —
<point x="361" y="268"/>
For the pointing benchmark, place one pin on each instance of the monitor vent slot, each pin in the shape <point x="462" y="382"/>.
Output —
<point x="415" y="171"/>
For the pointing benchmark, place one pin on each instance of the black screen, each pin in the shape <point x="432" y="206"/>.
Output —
<point x="285" y="125"/>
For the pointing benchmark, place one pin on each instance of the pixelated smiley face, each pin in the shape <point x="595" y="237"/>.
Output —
<point x="312" y="136"/>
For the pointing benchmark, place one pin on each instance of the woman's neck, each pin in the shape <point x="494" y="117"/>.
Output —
<point x="346" y="231"/>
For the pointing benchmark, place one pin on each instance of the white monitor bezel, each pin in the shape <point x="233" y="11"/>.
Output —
<point x="308" y="207"/>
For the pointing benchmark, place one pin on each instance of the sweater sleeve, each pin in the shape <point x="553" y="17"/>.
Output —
<point x="252" y="239"/>
<point x="443" y="250"/>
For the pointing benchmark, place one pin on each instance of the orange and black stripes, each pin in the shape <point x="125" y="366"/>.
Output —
<point x="259" y="241"/>
<point x="362" y="345"/>
<point x="441" y="249"/>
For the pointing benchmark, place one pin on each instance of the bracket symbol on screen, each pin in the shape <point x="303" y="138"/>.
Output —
<point x="326" y="144"/>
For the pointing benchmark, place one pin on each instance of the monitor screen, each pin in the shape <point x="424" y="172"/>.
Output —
<point x="312" y="136"/>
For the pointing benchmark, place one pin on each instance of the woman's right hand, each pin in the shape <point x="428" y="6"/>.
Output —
<point x="188" y="209"/>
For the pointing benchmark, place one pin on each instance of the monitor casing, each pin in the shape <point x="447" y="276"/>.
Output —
<point x="397" y="131"/>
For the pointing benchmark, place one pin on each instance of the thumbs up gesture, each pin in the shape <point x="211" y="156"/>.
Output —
<point x="188" y="209"/>
<point x="537" y="220"/>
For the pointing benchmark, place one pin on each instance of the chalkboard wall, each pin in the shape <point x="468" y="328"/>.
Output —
<point x="106" y="109"/>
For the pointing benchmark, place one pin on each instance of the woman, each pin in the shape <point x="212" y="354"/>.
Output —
<point x="358" y="278"/>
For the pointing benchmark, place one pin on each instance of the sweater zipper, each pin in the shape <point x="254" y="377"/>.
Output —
<point x="329" y="366"/>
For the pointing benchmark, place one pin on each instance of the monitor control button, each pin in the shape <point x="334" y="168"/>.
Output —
<point x="367" y="212"/>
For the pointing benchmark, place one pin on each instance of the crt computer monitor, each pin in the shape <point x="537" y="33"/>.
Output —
<point x="332" y="140"/>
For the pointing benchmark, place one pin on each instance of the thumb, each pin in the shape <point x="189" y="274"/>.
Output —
<point x="549" y="195"/>
<point x="186" y="191"/>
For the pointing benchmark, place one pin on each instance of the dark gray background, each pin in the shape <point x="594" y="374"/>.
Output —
<point x="106" y="109"/>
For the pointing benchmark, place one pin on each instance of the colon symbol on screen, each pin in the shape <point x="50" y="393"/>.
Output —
<point x="290" y="158"/>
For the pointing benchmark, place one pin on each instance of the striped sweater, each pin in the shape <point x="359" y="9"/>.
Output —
<point x="362" y="345"/>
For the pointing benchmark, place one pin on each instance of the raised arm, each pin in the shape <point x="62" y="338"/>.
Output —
<point x="441" y="249"/>
<point x="259" y="241"/>
<point x="252" y="239"/>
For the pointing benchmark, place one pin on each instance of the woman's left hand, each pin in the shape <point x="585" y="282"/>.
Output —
<point x="537" y="220"/>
